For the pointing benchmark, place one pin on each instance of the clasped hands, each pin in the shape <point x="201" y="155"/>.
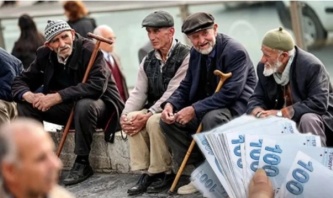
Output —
<point x="133" y="125"/>
<point x="41" y="101"/>
<point x="183" y="116"/>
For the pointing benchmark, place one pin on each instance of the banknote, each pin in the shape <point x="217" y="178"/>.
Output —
<point x="278" y="153"/>
<point x="306" y="178"/>
<point x="206" y="181"/>
<point x="226" y="146"/>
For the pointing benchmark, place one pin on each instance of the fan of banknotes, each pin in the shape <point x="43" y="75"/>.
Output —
<point x="296" y="163"/>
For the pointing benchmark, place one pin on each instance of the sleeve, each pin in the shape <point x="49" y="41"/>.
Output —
<point x="29" y="80"/>
<point x="317" y="97"/>
<point x="237" y="63"/>
<point x="172" y="86"/>
<point x="139" y="94"/>
<point x="257" y="100"/>
<point x="7" y="75"/>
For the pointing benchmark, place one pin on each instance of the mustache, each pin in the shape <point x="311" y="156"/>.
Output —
<point x="63" y="48"/>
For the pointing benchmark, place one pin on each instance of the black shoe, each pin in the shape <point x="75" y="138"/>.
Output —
<point x="161" y="183"/>
<point x="78" y="173"/>
<point x="141" y="186"/>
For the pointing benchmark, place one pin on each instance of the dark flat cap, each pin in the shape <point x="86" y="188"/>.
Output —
<point x="158" y="19"/>
<point x="196" y="22"/>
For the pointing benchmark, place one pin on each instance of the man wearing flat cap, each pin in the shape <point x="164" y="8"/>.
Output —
<point x="58" y="71"/>
<point x="195" y="101"/>
<point x="160" y="73"/>
<point x="293" y="84"/>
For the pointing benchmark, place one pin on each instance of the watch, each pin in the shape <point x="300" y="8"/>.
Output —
<point x="279" y="113"/>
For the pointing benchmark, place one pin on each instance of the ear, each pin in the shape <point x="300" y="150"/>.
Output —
<point x="8" y="171"/>
<point x="73" y="33"/>
<point x="215" y="29"/>
<point x="47" y="44"/>
<point x="172" y="30"/>
<point x="285" y="57"/>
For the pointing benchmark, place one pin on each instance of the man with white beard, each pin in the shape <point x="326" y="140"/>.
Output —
<point x="195" y="101"/>
<point x="293" y="84"/>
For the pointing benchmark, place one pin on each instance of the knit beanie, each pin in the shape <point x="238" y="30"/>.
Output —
<point x="55" y="27"/>
<point x="278" y="39"/>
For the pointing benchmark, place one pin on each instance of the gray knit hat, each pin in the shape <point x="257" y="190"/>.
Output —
<point x="279" y="39"/>
<point x="55" y="27"/>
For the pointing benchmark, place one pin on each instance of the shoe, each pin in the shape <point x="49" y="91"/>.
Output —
<point x="187" y="189"/>
<point x="78" y="173"/>
<point x="141" y="186"/>
<point x="161" y="183"/>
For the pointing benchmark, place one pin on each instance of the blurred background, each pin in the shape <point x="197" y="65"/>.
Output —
<point x="246" y="21"/>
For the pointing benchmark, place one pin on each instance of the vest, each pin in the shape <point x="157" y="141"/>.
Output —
<point x="157" y="81"/>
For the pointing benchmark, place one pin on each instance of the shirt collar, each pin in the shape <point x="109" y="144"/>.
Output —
<point x="158" y="55"/>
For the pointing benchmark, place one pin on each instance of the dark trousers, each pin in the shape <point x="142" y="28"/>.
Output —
<point x="179" y="137"/>
<point x="88" y="115"/>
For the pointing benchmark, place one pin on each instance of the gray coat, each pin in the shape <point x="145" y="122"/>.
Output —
<point x="311" y="90"/>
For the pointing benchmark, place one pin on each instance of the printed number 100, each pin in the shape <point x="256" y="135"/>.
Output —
<point x="301" y="176"/>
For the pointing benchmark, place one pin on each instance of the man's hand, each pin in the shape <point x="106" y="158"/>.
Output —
<point x="167" y="114"/>
<point x="260" y="186"/>
<point x="31" y="97"/>
<point x="45" y="102"/>
<point x="267" y="113"/>
<point x="135" y="124"/>
<point x="185" y="115"/>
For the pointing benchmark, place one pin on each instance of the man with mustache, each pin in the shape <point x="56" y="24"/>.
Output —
<point x="28" y="165"/>
<point x="160" y="73"/>
<point x="195" y="101"/>
<point x="59" y="68"/>
<point x="293" y="84"/>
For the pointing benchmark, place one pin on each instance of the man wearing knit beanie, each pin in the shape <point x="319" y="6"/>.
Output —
<point x="293" y="84"/>
<point x="58" y="71"/>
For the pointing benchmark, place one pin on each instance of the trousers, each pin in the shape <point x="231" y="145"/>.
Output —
<point x="88" y="115"/>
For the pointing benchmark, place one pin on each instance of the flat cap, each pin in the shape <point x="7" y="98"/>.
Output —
<point x="197" y="21"/>
<point x="278" y="39"/>
<point x="158" y="19"/>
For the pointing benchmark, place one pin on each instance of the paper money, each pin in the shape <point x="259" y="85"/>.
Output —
<point x="205" y="180"/>
<point x="307" y="178"/>
<point x="277" y="154"/>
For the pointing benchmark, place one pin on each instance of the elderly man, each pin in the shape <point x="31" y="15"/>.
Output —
<point x="60" y="66"/>
<point x="293" y="84"/>
<point x="159" y="75"/>
<point x="112" y="60"/>
<point x="195" y="101"/>
<point x="10" y="68"/>
<point x="28" y="164"/>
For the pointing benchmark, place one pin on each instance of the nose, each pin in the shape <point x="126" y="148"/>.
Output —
<point x="263" y="60"/>
<point x="55" y="162"/>
<point x="61" y="43"/>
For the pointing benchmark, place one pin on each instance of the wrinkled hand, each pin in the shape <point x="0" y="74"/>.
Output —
<point x="167" y="115"/>
<point x="185" y="115"/>
<point x="45" y="102"/>
<point x="268" y="113"/>
<point x="134" y="125"/>
<point x="31" y="97"/>
<point x="260" y="186"/>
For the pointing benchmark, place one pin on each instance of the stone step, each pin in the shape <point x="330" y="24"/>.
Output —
<point x="104" y="157"/>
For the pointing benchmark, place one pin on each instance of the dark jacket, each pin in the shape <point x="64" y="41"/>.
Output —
<point x="10" y="67"/>
<point x="99" y="83"/>
<point x="83" y="25"/>
<point x="311" y="90"/>
<point x="230" y="56"/>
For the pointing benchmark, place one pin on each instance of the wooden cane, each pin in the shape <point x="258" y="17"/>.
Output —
<point x="99" y="39"/>
<point x="223" y="78"/>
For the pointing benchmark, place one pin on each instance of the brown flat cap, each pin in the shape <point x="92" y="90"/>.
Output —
<point x="158" y="19"/>
<point x="196" y="22"/>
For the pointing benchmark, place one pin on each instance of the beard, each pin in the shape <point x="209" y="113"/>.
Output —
<point x="66" y="53"/>
<point x="210" y="48"/>
<point x="270" y="69"/>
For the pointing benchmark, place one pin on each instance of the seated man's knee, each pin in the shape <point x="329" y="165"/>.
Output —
<point x="153" y="122"/>
<point x="309" y="118"/>
<point x="85" y="106"/>
<point x="216" y="117"/>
